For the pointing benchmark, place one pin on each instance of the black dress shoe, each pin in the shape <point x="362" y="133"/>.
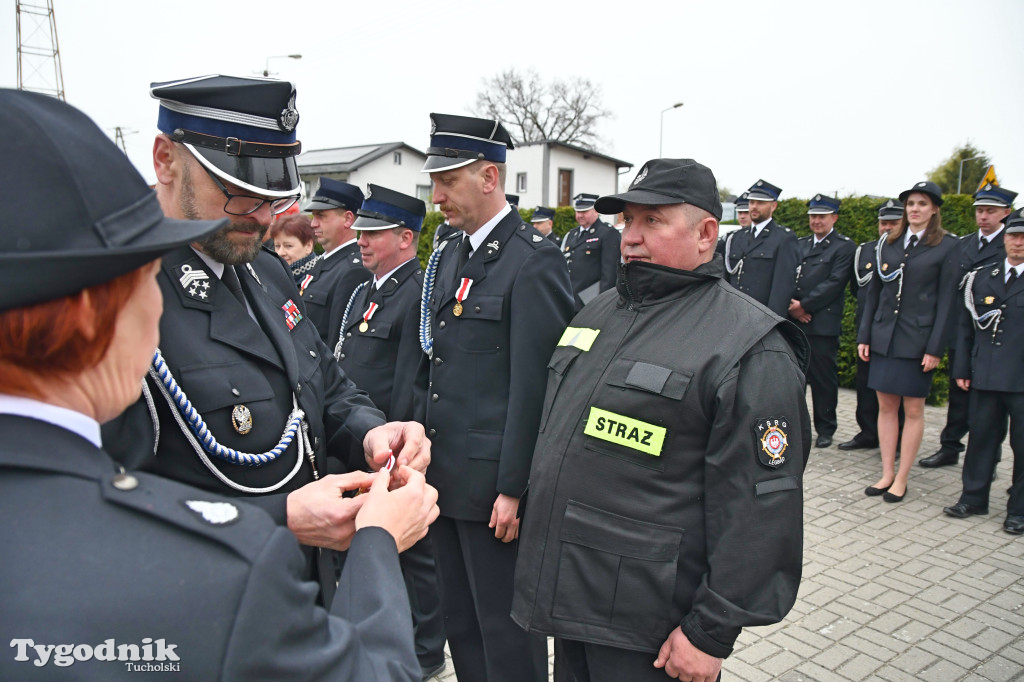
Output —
<point x="432" y="671"/>
<point x="1014" y="525"/>
<point x="942" y="458"/>
<point x="856" y="443"/>
<point x="872" y="491"/>
<point x="889" y="497"/>
<point x="823" y="441"/>
<point x="961" y="510"/>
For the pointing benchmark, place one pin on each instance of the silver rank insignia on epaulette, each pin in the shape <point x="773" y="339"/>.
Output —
<point x="357" y="261"/>
<point x="493" y="246"/>
<point x="248" y="266"/>
<point x="215" y="513"/>
<point x="537" y="238"/>
<point x="195" y="282"/>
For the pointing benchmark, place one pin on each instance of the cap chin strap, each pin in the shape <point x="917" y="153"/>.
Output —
<point x="236" y="147"/>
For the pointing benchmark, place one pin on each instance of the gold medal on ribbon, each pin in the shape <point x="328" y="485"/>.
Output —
<point x="462" y="293"/>
<point x="458" y="308"/>
<point x="989" y="300"/>
<point x="241" y="419"/>
<point x="363" y="326"/>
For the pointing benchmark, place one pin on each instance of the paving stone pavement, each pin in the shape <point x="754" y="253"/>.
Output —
<point x="894" y="592"/>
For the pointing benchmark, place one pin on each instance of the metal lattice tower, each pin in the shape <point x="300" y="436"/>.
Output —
<point x="39" y="67"/>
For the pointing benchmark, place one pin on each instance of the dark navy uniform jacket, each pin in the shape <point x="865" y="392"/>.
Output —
<point x="384" y="359"/>
<point x="86" y="562"/>
<point x="822" y="276"/>
<point x="485" y="382"/>
<point x="993" y="358"/>
<point x="334" y="280"/>
<point x="971" y="257"/>
<point x="222" y="358"/>
<point x="666" y="487"/>
<point x="912" y="323"/>
<point x="769" y="264"/>
<point x="593" y="257"/>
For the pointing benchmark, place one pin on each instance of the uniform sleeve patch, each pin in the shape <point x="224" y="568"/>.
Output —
<point x="771" y="441"/>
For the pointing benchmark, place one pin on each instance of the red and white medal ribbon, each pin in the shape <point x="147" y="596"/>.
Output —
<point x="463" y="293"/>
<point x="305" y="283"/>
<point x="369" y="312"/>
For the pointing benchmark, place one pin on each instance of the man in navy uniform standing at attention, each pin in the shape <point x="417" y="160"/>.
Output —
<point x="817" y="306"/>
<point x="760" y="260"/>
<point x="591" y="252"/>
<point x="497" y="299"/>
<point x="991" y="206"/>
<point x="339" y="269"/>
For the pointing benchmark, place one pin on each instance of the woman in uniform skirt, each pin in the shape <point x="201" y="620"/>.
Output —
<point x="909" y="303"/>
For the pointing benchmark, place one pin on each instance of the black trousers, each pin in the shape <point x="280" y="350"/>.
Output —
<point x="476" y="572"/>
<point x="867" y="405"/>
<point x="989" y="413"/>
<point x="584" y="662"/>
<point x="420" y="574"/>
<point x="823" y="378"/>
<point x="956" y="416"/>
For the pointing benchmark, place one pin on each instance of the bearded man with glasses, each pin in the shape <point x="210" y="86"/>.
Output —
<point x="244" y="399"/>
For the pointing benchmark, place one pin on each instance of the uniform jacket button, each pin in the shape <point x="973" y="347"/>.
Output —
<point x="476" y="309"/>
<point x="125" y="482"/>
<point x="298" y="388"/>
<point x="341" y="357"/>
<point x="441" y="325"/>
<point x="312" y="353"/>
<point x="434" y="398"/>
<point x="235" y="392"/>
<point x="438" y="361"/>
<point x="433" y="432"/>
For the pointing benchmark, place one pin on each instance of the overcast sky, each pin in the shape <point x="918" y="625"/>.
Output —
<point x="850" y="97"/>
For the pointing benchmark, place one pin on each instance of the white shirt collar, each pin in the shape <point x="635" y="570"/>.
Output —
<point x="906" y="237"/>
<point x="339" y="247"/>
<point x="75" y="422"/>
<point x="993" y="235"/>
<point x="818" y="241"/>
<point x="759" y="226"/>
<point x="1008" y="267"/>
<point x="215" y="266"/>
<point x="379" y="282"/>
<point x="476" y="240"/>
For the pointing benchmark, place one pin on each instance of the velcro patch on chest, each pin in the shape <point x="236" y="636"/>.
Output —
<point x="625" y="431"/>
<point x="771" y="440"/>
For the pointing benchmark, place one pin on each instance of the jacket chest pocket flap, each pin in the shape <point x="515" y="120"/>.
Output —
<point x="211" y="387"/>
<point x="615" y="571"/>
<point x="648" y="377"/>
<point x="315" y="297"/>
<point x="479" y="325"/>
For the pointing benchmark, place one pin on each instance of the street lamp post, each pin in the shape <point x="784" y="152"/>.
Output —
<point x="960" y="177"/>
<point x="266" y="70"/>
<point x="661" y="134"/>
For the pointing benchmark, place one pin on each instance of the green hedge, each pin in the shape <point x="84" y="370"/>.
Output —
<point x="858" y="220"/>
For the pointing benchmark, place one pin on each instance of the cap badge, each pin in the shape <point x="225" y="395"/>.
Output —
<point x="289" y="116"/>
<point x="773" y="441"/>
<point x="369" y="192"/>
<point x="217" y="513"/>
<point x="817" y="197"/>
<point x="241" y="419"/>
<point x="889" y="204"/>
<point x="920" y="184"/>
<point x="640" y="176"/>
<point x="433" y="127"/>
<point x="195" y="282"/>
<point x="760" y="182"/>
<point x="988" y="186"/>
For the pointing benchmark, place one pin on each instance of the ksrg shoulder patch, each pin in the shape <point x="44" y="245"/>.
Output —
<point x="771" y="441"/>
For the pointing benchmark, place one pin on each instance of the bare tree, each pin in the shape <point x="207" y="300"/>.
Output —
<point x="532" y="110"/>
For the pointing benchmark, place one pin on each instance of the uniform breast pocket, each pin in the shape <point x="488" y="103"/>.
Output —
<point x="615" y="571"/>
<point x="315" y="298"/>
<point x="481" y="327"/>
<point x="634" y="412"/>
<point x="371" y="348"/>
<point x="558" y="366"/>
<point x="212" y="387"/>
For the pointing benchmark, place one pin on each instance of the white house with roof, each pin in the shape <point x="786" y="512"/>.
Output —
<point x="394" y="165"/>
<point x="541" y="173"/>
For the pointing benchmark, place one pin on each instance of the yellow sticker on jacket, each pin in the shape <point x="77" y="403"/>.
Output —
<point x="580" y="337"/>
<point x="626" y="431"/>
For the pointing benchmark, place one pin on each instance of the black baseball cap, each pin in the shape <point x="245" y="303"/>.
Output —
<point x="76" y="212"/>
<point x="668" y="181"/>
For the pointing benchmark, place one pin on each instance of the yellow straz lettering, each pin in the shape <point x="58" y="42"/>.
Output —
<point x="626" y="431"/>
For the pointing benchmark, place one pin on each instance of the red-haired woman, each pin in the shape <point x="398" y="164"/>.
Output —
<point x="293" y="241"/>
<point x="106" y="568"/>
<point x="909" y="302"/>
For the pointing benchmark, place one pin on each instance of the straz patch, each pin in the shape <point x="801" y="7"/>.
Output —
<point x="625" y="431"/>
<point x="291" y="314"/>
<point x="772" y="441"/>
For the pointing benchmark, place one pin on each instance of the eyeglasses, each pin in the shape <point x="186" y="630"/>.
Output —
<point x="243" y="204"/>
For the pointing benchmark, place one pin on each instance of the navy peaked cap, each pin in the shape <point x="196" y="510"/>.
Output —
<point x="892" y="209"/>
<point x="76" y="212"/>
<point x="743" y="202"/>
<point x="822" y="205"/>
<point x="583" y="202"/>
<point x="240" y="129"/>
<point x="457" y="141"/>
<point x="512" y="199"/>
<point x="542" y="213"/>
<point x="994" y="195"/>
<point x="925" y="187"/>
<point x="331" y="193"/>
<point x="1014" y="222"/>
<point x="668" y="181"/>
<point x="385" y="208"/>
<point x="763" y="190"/>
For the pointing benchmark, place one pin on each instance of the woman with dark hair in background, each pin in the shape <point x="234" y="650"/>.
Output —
<point x="908" y="304"/>
<point x="101" y="564"/>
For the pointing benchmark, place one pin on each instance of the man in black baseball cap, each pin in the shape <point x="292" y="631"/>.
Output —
<point x="245" y="399"/>
<point x="645" y="489"/>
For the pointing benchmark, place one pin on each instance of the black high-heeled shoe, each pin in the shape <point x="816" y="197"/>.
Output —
<point x="872" y="491"/>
